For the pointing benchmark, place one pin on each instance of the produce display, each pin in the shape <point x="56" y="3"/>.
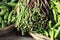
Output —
<point x="37" y="16"/>
<point x="7" y="16"/>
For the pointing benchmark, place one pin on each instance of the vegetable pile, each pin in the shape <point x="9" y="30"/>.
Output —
<point x="30" y="18"/>
<point x="38" y="16"/>
<point x="7" y="15"/>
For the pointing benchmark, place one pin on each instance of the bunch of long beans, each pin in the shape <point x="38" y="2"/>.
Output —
<point x="30" y="17"/>
<point x="55" y="24"/>
<point x="34" y="16"/>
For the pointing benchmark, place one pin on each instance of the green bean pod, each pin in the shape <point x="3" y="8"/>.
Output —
<point x="0" y="19"/>
<point x="6" y="16"/>
<point x="13" y="18"/>
<point x="3" y="24"/>
<point x="12" y="4"/>
<point x="57" y="32"/>
<point x="3" y="7"/>
<point x="52" y="34"/>
<point x="3" y="12"/>
<point x="10" y="17"/>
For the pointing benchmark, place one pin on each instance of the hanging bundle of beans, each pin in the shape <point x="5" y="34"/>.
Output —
<point x="31" y="16"/>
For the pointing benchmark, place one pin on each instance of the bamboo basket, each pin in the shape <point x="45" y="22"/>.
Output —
<point x="7" y="29"/>
<point x="37" y="36"/>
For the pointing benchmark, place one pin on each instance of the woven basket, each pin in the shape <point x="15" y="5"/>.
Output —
<point x="37" y="36"/>
<point x="7" y="29"/>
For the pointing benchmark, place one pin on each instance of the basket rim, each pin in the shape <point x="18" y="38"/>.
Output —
<point x="7" y="29"/>
<point x="37" y="36"/>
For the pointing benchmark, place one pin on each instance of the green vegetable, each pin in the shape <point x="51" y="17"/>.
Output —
<point x="3" y="24"/>
<point x="0" y="19"/>
<point x="50" y="24"/>
<point x="12" y="4"/>
<point x="3" y="7"/>
<point x="58" y="18"/>
<point x="3" y="12"/>
<point x="6" y="16"/>
<point x="10" y="16"/>
<point x="57" y="6"/>
<point x="57" y="32"/>
<point x="4" y="4"/>
<point x="56" y="25"/>
<point x="52" y="34"/>
<point x="46" y="33"/>
<point x="54" y="13"/>
<point x="13" y="1"/>
<point x="13" y="18"/>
